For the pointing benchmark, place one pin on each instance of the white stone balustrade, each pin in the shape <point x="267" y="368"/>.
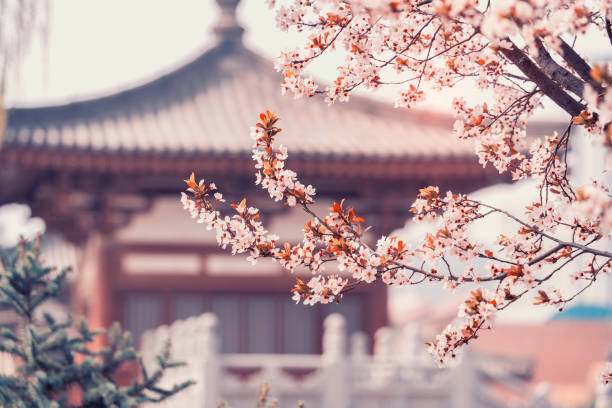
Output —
<point x="398" y="374"/>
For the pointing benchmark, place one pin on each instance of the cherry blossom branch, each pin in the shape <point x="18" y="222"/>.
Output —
<point x="338" y="237"/>
<point x="579" y="65"/>
<point x="442" y="43"/>
<point x="561" y="243"/>
<point x="549" y="87"/>
<point x="556" y="72"/>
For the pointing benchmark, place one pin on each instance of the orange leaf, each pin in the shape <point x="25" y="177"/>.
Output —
<point x="191" y="181"/>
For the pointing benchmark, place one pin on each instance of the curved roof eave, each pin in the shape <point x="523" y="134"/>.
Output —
<point x="206" y="107"/>
<point x="209" y="61"/>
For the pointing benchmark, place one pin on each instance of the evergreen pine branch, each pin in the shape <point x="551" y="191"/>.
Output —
<point x="54" y="356"/>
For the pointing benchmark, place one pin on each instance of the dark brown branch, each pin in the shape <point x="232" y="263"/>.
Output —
<point x="549" y="87"/>
<point x="560" y="242"/>
<point x="556" y="72"/>
<point x="546" y="254"/>
<point x="609" y="29"/>
<point x="579" y="65"/>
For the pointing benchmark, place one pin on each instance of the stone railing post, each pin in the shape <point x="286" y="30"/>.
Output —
<point x="336" y="386"/>
<point x="383" y="344"/>
<point x="210" y="359"/>
<point x="410" y="342"/>
<point x="464" y="387"/>
<point x="359" y="346"/>
<point x="384" y="355"/>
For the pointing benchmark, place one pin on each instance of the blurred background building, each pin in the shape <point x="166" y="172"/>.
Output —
<point x="105" y="175"/>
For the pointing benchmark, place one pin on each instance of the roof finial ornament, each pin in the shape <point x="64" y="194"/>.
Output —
<point x="228" y="28"/>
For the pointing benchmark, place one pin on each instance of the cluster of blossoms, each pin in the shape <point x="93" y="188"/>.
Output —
<point x="518" y="266"/>
<point x="592" y="210"/>
<point x="241" y="232"/>
<point x="439" y="43"/>
<point x="318" y="289"/>
<point x="446" y="347"/>
<point x="477" y="312"/>
<point x="280" y="183"/>
<point x="599" y="100"/>
<point x="506" y="47"/>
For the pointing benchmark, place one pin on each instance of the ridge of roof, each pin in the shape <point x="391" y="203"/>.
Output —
<point x="202" y="62"/>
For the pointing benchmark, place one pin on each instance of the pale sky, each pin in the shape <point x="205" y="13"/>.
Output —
<point x="98" y="47"/>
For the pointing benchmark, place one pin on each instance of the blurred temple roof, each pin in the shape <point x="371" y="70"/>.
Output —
<point x="220" y="94"/>
<point x="206" y="107"/>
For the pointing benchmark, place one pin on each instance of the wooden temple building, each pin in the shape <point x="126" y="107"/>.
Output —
<point x="105" y="174"/>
